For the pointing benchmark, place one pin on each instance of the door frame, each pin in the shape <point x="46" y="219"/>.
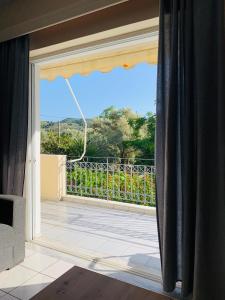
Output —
<point x="32" y="181"/>
<point x="32" y="178"/>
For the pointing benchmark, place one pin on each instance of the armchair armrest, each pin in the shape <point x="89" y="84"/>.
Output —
<point x="18" y="210"/>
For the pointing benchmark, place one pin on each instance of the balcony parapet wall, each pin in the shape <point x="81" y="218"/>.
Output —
<point x="53" y="177"/>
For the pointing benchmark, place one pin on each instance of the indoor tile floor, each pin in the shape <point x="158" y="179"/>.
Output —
<point x="42" y="266"/>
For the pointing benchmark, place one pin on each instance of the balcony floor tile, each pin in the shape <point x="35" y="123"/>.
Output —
<point x="107" y="233"/>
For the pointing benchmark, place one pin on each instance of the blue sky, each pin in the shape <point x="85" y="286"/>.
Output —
<point x="134" y="88"/>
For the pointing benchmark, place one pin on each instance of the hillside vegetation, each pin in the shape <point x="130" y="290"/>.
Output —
<point x="114" y="133"/>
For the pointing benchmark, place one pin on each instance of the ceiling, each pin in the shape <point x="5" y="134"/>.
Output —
<point x="3" y="2"/>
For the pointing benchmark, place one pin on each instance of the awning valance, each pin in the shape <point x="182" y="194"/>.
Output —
<point x="104" y="61"/>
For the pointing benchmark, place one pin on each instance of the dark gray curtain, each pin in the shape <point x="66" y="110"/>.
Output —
<point x="14" y="83"/>
<point x="190" y="150"/>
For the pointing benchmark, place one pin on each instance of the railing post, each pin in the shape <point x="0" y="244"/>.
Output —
<point x="107" y="175"/>
<point x="131" y="185"/>
<point x="145" y="185"/>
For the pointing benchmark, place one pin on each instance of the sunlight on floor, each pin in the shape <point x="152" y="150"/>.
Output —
<point x="43" y="265"/>
<point x="127" y="238"/>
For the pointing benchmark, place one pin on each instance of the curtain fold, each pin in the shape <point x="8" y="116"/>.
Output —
<point x="190" y="147"/>
<point x="14" y="85"/>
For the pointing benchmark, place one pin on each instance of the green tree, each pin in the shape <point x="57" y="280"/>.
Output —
<point x="66" y="144"/>
<point x="110" y="131"/>
<point x="116" y="132"/>
<point x="143" y="137"/>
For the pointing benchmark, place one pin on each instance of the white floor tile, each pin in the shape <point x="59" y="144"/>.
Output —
<point x="8" y="297"/>
<point x="23" y="283"/>
<point x="10" y="279"/>
<point x="51" y="231"/>
<point x="38" y="262"/>
<point x="60" y="255"/>
<point x="58" y="269"/>
<point x="154" y="263"/>
<point x="32" y="287"/>
<point x="71" y="235"/>
<point x="136" y="280"/>
<point x="113" y="249"/>
<point x="90" y="243"/>
<point x="69" y="240"/>
<point x="2" y="293"/>
<point x="28" y="252"/>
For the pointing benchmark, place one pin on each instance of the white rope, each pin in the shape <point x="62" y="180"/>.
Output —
<point x="83" y="118"/>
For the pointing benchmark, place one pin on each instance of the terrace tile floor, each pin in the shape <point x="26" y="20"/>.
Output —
<point x="126" y="240"/>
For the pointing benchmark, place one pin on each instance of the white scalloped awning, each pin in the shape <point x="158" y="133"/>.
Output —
<point x="126" y="57"/>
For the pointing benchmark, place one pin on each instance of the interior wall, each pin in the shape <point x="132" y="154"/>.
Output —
<point x="20" y="17"/>
<point x="112" y="17"/>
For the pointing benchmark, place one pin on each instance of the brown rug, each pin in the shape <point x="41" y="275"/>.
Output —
<point x="82" y="284"/>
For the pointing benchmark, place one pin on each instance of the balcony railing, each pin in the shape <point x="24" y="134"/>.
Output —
<point x="117" y="179"/>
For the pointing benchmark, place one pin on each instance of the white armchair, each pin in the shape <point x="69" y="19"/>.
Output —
<point x="12" y="231"/>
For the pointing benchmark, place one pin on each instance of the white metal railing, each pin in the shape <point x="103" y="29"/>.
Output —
<point x="124" y="180"/>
